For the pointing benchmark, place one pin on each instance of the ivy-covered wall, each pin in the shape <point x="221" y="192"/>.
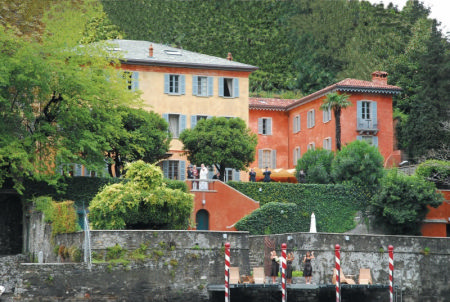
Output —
<point x="334" y="206"/>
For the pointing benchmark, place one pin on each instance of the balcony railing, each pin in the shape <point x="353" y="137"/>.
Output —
<point x="201" y="185"/>
<point x="367" y="125"/>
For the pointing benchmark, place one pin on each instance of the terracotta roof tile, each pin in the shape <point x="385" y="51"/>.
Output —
<point x="365" y="84"/>
<point x="269" y="103"/>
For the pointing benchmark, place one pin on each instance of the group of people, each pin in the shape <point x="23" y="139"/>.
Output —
<point x="201" y="174"/>
<point x="307" y="267"/>
<point x="266" y="173"/>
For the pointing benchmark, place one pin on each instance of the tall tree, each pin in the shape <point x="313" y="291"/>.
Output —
<point x="51" y="94"/>
<point x="222" y="142"/>
<point x="336" y="102"/>
<point x="141" y="135"/>
<point x="430" y="101"/>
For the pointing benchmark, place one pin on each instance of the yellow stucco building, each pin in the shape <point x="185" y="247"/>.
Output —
<point x="184" y="87"/>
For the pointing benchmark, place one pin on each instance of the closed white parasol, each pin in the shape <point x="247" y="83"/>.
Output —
<point x="312" y="228"/>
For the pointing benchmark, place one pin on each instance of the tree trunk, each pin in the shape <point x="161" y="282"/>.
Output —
<point x="337" y="115"/>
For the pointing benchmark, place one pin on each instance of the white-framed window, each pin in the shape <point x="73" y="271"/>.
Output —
<point x="174" y="169"/>
<point x="365" y="110"/>
<point x="202" y="86"/>
<point x="231" y="174"/>
<point x="174" y="84"/>
<point x="297" y="155"/>
<point x="177" y="123"/>
<point x="265" y="125"/>
<point x="326" y="115"/>
<point x="296" y="124"/>
<point x="267" y="158"/>
<point x="311" y="146"/>
<point x="310" y="118"/>
<point x="370" y="139"/>
<point x="132" y="80"/>
<point x="327" y="143"/>
<point x="229" y="87"/>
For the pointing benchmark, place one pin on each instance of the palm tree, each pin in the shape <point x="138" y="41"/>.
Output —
<point x="336" y="102"/>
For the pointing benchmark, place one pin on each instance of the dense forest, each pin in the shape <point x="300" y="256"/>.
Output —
<point x="302" y="46"/>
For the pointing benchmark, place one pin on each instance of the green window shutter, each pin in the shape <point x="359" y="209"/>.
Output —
<point x="182" y="84"/>
<point x="221" y="86"/>
<point x="236" y="87"/>
<point x="359" y="137"/>
<point x="194" y="85"/>
<point x="260" y="123"/>
<point x="193" y="121"/>
<point x="210" y="86"/>
<point x="182" y="170"/>
<point x="269" y="126"/>
<point x="135" y="81"/>
<point x="294" y="124"/>
<point x="274" y="159"/>
<point x="166" y="83"/>
<point x="166" y="117"/>
<point x="260" y="157"/>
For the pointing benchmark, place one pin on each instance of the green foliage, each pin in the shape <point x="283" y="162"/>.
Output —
<point x="142" y="135"/>
<point x="437" y="171"/>
<point x="316" y="164"/>
<point x="226" y="143"/>
<point x="45" y="204"/>
<point x="333" y="205"/>
<point x="62" y="215"/>
<point x="53" y="108"/>
<point x="115" y="252"/>
<point x="65" y="219"/>
<point x="402" y="203"/>
<point x="358" y="163"/>
<point x="141" y="202"/>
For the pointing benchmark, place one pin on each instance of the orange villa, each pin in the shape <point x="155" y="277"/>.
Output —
<point x="288" y="128"/>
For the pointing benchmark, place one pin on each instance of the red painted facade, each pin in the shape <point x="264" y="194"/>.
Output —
<point x="223" y="206"/>
<point x="437" y="220"/>
<point x="290" y="142"/>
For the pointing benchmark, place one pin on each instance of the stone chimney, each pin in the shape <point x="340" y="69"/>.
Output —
<point x="230" y="57"/>
<point x="379" y="77"/>
<point x="150" y="51"/>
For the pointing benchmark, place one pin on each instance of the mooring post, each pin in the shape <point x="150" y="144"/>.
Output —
<point x="391" y="273"/>
<point x="337" y="257"/>
<point x="227" y="272"/>
<point x="283" y="272"/>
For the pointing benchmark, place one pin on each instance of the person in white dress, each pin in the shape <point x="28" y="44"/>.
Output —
<point x="203" y="176"/>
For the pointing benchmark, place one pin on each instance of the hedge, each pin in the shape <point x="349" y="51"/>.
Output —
<point x="334" y="206"/>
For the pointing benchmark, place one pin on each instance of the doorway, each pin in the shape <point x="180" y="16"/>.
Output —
<point x="202" y="220"/>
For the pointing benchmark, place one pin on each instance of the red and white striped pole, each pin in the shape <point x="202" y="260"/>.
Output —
<point x="337" y="258"/>
<point x="283" y="272"/>
<point x="227" y="272"/>
<point x="391" y="273"/>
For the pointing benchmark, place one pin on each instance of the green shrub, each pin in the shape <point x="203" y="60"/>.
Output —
<point x="115" y="252"/>
<point x="45" y="204"/>
<point x="317" y="166"/>
<point x="65" y="219"/>
<point x="402" y="203"/>
<point x="437" y="171"/>
<point x="141" y="203"/>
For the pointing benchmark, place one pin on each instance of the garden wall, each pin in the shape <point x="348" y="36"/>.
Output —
<point x="181" y="264"/>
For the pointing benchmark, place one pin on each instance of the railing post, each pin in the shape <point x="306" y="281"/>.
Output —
<point x="338" y="272"/>
<point x="391" y="273"/>
<point x="227" y="272"/>
<point x="283" y="273"/>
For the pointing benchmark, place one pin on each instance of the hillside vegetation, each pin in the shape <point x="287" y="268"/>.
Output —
<point x="302" y="46"/>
